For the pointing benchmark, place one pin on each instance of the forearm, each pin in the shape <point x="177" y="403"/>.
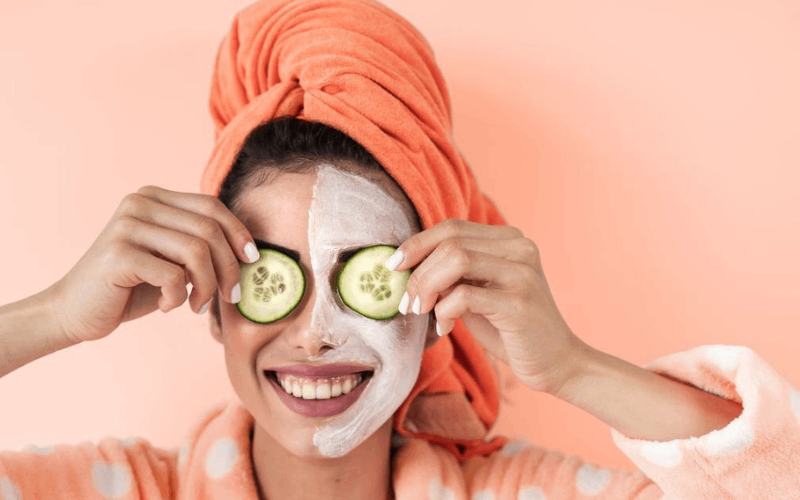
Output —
<point x="28" y="331"/>
<point x="641" y="404"/>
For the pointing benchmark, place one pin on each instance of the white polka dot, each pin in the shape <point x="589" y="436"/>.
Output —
<point x="591" y="481"/>
<point x="41" y="450"/>
<point x="724" y="356"/>
<point x="735" y="436"/>
<point x="221" y="457"/>
<point x="184" y="453"/>
<point x="438" y="491"/>
<point x="513" y="447"/>
<point x="131" y="441"/>
<point x="483" y="495"/>
<point x="795" y="397"/>
<point x="111" y="480"/>
<point x="531" y="493"/>
<point x="9" y="490"/>
<point x="664" y="454"/>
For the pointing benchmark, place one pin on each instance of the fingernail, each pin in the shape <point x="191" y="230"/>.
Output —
<point x="404" y="304"/>
<point x="204" y="308"/>
<point x="438" y="329"/>
<point x="415" y="307"/>
<point x="251" y="251"/>
<point x="395" y="260"/>
<point x="236" y="294"/>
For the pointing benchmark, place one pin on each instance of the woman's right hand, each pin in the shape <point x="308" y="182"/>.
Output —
<point x="156" y="243"/>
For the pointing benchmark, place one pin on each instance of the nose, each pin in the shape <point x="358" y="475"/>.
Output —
<point x="310" y="331"/>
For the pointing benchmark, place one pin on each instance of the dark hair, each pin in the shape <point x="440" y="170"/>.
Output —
<point x="288" y="144"/>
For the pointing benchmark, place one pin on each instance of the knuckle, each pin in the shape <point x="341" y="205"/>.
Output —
<point x="123" y="226"/>
<point x="412" y="246"/>
<point x="177" y="277"/>
<point x="464" y="292"/>
<point x="147" y="190"/>
<point x="526" y="275"/>
<point x="450" y="245"/>
<point x="131" y="203"/>
<point x="197" y="249"/>
<point x="209" y="228"/>
<point x="453" y="227"/>
<point x="211" y="204"/>
<point x="530" y="248"/>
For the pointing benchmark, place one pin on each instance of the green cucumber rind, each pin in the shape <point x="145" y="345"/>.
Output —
<point x="243" y="268"/>
<point x="349" y="266"/>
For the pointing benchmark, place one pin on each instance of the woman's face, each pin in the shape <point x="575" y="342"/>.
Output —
<point x="320" y="215"/>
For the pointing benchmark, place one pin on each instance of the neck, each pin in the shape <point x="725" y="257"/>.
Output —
<point x="364" y="473"/>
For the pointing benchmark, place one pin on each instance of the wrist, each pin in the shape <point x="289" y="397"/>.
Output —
<point x="48" y="305"/>
<point x="581" y="360"/>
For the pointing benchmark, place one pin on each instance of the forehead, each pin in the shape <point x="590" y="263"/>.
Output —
<point x="339" y="206"/>
<point x="347" y="207"/>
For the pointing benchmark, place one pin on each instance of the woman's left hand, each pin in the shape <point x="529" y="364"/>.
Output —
<point x="492" y="278"/>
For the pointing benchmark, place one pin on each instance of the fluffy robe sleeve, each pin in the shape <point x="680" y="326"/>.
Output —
<point x="122" y="469"/>
<point x="755" y="457"/>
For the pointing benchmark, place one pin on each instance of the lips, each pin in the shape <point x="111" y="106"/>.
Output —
<point x="316" y="408"/>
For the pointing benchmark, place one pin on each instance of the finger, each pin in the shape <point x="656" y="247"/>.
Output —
<point x="186" y="250"/>
<point x="235" y="232"/>
<point x="414" y="249"/>
<point x="450" y="264"/>
<point x="479" y="306"/>
<point x="137" y="266"/>
<point x="226" y="263"/>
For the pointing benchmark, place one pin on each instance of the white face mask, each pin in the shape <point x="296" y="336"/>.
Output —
<point x="349" y="211"/>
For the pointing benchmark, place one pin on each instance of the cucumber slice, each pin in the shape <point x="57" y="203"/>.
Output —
<point x="368" y="287"/>
<point x="272" y="287"/>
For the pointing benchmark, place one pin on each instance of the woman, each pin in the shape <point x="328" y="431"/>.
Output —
<point x="333" y="136"/>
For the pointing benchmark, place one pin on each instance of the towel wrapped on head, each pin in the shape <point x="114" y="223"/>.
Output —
<point x="359" y="67"/>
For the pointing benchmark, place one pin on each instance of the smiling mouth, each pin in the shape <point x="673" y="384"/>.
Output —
<point x="319" y="388"/>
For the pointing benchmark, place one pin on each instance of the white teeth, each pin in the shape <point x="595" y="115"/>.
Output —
<point x="323" y="388"/>
<point x="323" y="391"/>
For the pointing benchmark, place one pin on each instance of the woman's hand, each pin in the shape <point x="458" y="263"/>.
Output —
<point x="492" y="278"/>
<point x="156" y="243"/>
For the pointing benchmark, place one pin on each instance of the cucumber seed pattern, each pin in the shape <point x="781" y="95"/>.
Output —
<point x="376" y="282"/>
<point x="273" y="288"/>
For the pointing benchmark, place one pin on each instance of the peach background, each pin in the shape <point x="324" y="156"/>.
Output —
<point x="651" y="151"/>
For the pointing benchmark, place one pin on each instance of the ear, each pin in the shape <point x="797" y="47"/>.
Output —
<point x="214" y="319"/>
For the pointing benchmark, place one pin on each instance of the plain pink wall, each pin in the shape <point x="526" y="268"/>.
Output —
<point x="651" y="151"/>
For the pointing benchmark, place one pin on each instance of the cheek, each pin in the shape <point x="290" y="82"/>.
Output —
<point x="242" y="336"/>
<point x="399" y="340"/>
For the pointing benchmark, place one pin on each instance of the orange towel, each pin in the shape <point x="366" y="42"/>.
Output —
<point x="359" y="67"/>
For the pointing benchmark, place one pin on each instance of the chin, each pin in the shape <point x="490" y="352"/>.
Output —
<point x="299" y="442"/>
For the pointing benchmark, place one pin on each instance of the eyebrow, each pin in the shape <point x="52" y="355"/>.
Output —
<point x="343" y="256"/>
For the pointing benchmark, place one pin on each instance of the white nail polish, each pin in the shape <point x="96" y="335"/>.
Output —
<point x="438" y="329"/>
<point x="236" y="294"/>
<point x="251" y="251"/>
<point x="204" y="308"/>
<point x="395" y="260"/>
<point x="404" y="304"/>
<point x="415" y="307"/>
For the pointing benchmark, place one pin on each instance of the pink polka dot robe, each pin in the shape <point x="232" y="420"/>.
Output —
<point x="756" y="456"/>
